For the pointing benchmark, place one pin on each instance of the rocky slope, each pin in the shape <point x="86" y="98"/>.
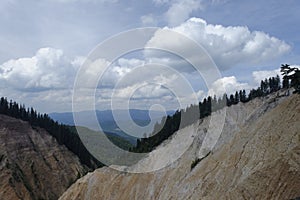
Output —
<point x="32" y="164"/>
<point x="256" y="157"/>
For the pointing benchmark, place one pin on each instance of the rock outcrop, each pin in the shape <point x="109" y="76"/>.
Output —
<point x="32" y="164"/>
<point x="256" y="157"/>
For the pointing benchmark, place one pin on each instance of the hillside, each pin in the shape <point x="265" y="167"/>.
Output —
<point x="256" y="157"/>
<point x="32" y="164"/>
<point x="94" y="140"/>
<point x="61" y="132"/>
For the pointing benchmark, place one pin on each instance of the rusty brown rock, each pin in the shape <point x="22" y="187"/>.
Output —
<point x="32" y="164"/>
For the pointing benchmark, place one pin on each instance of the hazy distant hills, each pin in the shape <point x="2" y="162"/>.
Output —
<point x="107" y="121"/>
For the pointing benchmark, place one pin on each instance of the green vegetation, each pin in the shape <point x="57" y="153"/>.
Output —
<point x="115" y="139"/>
<point x="119" y="141"/>
<point x="98" y="145"/>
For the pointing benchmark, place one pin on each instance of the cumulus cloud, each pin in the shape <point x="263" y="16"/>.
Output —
<point x="48" y="69"/>
<point x="141" y="91"/>
<point x="180" y="10"/>
<point x="148" y="20"/>
<point x="228" y="85"/>
<point x="78" y="61"/>
<point x="133" y="79"/>
<point x="118" y="70"/>
<point x="228" y="46"/>
<point x="261" y="75"/>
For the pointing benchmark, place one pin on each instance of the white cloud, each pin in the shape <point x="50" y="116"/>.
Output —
<point x="130" y="79"/>
<point x="228" y="46"/>
<point x="141" y="91"/>
<point x="148" y="20"/>
<point x="49" y="68"/>
<point x="147" y="84"/>
<point x="180" y="10"/>
<point x="118" y="70"/>
<point x="78" y="61"/>
<point x="228" y="85"/>
<point x="261" y="75"/>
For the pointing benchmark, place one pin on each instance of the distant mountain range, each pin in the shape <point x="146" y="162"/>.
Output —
<point x="107" y="121"/>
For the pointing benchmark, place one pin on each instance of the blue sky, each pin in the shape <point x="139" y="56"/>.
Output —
<point x="43" y="44"/>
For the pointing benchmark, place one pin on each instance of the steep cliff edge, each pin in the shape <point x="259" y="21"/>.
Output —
<point x="32" y="164"/>
<point x="256" y="157"/>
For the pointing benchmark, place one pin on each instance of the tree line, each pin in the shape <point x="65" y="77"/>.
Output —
<point x="184" y="117"/>
<point x="62" y="133"/>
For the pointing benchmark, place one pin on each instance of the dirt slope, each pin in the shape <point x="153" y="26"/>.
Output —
<point x="257" y="157"/>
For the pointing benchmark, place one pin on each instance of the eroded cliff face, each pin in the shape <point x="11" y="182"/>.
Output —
<point x="32" y="164"/>
<point x="256" y="157"/>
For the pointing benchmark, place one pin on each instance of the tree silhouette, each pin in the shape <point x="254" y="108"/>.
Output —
<point x="285" y="71"/>
<point x="291" y="77"/>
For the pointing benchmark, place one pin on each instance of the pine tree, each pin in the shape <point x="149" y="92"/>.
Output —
<point x="236" y="98"/>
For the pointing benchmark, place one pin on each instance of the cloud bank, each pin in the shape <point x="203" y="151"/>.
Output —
<point x="228" y="46"/>
<point x="49" y="68"/>
<point x="51" y="74"/>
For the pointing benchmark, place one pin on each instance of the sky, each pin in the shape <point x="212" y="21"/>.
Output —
<point x="44" y="44"/>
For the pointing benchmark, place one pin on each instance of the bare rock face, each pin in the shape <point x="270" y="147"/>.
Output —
<point x="32" y="164"/>
<point x="256" y="157"/>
